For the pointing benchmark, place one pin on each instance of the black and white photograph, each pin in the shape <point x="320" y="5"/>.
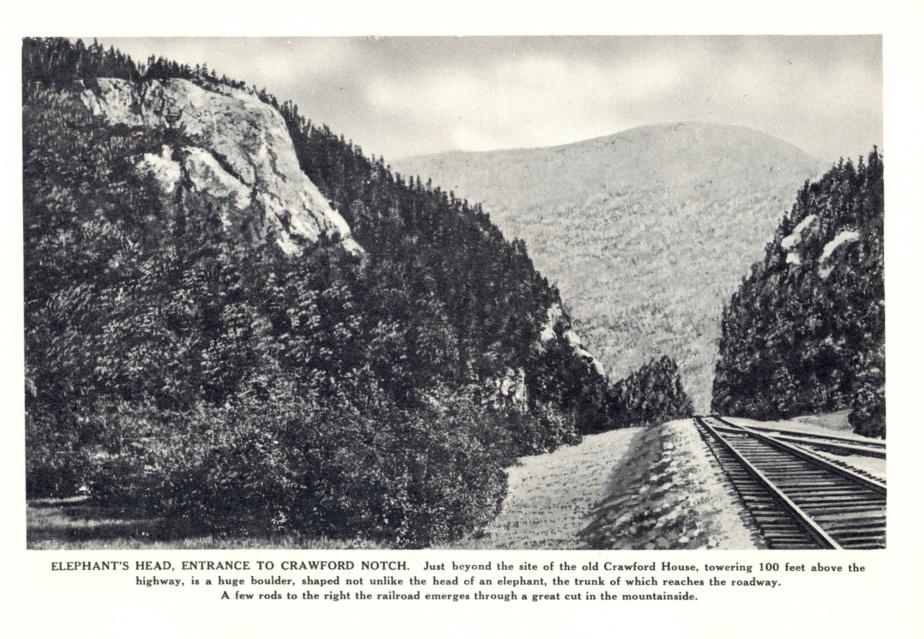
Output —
<point x="512" y="292"/>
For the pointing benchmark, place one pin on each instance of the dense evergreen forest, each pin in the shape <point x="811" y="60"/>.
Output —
<point x="243" y="389"/>
<point x="805" y="332"/>
<point x="651" y="394"/>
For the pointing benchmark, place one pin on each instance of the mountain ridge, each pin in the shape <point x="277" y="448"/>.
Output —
<point x="414" y="157"/>
<point x="645" y="231"/>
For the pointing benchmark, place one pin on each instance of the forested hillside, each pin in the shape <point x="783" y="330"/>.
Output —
<point x="189" y="362"/>
<point x="646" y="232"/>
<point x="804" y="333"/>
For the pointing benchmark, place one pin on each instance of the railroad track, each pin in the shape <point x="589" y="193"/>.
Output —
<point x="797" y="498"/>
<point x="831" y="443"/>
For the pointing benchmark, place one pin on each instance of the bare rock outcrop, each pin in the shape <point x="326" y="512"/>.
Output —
<point x="794" y="243"/>
<point x="242" y="156"/>
<point x="554" y="321"/>
<point x="834" y="249"/>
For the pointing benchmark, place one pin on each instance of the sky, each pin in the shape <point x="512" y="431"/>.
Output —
<point x="399" y="97"/>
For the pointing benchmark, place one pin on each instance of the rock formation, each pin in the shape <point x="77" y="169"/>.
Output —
<point x="242" y="157"/>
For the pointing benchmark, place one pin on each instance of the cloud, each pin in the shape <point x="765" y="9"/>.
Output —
<point x="530" y="100"/>
<point x="403" y="96"/>
<point x="254" y="60"/>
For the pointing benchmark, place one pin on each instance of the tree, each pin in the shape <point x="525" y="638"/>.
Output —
<point x="651" y="395"/>
<point x="800" y="339"/>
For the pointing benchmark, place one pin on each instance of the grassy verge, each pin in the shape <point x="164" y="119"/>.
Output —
<point x="77" y="523"/>
<point x="549" y="496"/>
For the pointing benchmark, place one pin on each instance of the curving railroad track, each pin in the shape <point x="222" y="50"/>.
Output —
<point x="797" y="498"/>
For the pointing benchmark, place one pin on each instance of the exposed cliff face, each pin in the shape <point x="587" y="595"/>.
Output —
<point x="554" y="323"/>
<point x="243" y="157"/>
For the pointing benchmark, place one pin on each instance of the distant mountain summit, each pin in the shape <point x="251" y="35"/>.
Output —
<point x="646" y="232"/>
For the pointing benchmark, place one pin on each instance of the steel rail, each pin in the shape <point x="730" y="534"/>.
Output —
<point x="790" y="431"/>
<point x="809" y="456"/>
<point x="800" y="517"/>
<point x="831" y="445"/>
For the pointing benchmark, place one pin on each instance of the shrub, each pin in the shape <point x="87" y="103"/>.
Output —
<point x="868" y="410"/>
<point x="542" y="432"/>
<point x="55" y="463"/>
<point x="651" y="395"/>
<point x="409" y="477"/>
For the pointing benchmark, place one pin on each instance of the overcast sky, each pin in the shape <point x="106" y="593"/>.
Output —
<point x="407" y="96"/>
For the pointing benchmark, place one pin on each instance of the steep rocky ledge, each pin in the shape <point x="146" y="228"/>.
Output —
<point x="243" y="157"/>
